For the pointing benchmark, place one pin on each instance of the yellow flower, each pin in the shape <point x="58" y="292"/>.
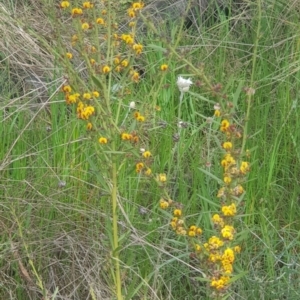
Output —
<point x="137" y="48"/>
<point x="199" y="231"/>
<point x="106" y="69"/>
<point x="237" y="249"/>
<point x="86" y="96"/>
<point x="66" y="89"/>
<point x="217" y="113"/>
<point x="227" y="145"/>
<point x="227" y="179"/>
<point x="127" y="38"/>
<point x="76" y="11"/>
<point x="229" y="211"/>
<point x="131" y="13"/>
<point x="135" y="76"/>
<point x="87" y="4"/>
<point x="191" y="233"/>
<point x="100" y="21"/>
<point x="227" y="267"/>
<point x="69" y="55"/>
<point x="214" y="257"/>
<point x="162" y="177"/>
<point x="85" y="26"/>
<point x="124" y="63"/>
<point x="84" y="112"/>
<point x="214" y="243"/>
<point x="118" y="69"/>
<point x="177" y="212"/>
<point x="218" y="220"/>
<point x="221" y="192"/>
<point x="140" y="118"/>
<point x="126" y="136"/>
<point x="197" y="247"/>
<point x="70" y="99"/>
<point x="131" y="24"/>
<point x="164" y="67"/>
<point x="137" y="5"/>
<point x="138" y="167"/>
<point x="103" y="140"/>
<point x="164" y="204"/>
<point x="193" y="227"/>
<point x="95" y="94"/>
<point x="148" y="172"/>
<point x="92" y="61"/>
<point x="64" y="4"/>
<point x="228" y="232"/>
<point x="147" y="154"/>
<point x="89" y="126"/>
<point x="228" y="255"/>
<point x="244" y="167"/>
<point x="93" y="49"/>
<point x="224" y="125"/>
<point x="116" y="60"/>
<point x="220" y="283"/>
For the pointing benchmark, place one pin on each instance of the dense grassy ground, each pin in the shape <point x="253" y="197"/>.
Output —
<point x="56" y="216"/>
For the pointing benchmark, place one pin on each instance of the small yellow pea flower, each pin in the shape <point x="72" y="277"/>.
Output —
<point x="137" y="48"/>
<point x="87" y="4"/>
<point x="85" y="26"/>
<point x="135" y="76"/>
<point x="87" y="96"/>
<point x="148" y="172"/>
<point x="177" y="212"/>
<point x="227" y="145"/>
<point x="164" y="67"/>
<point x="162" y="177"/>
<point x="95" y="94"/>
<point x="124" y="63"/>
<point x="103" y="140"/>
<point x="100" y="21"/>
<point x="106" y="69"/>
<point x="69" y="55"/>
<point x="76" y="11"/>
<point x="163" y="204"/>
<point x="147" y="154"/>
<point x="140" y="118"/>
<point x="217" y="113"/>
<point x="66" y="89"/>
<point x="64" y="4"/>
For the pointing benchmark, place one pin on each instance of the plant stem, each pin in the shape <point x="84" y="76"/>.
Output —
<point x="114" y="194"/>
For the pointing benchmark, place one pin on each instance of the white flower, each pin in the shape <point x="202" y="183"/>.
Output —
<point x="132" y="105"/>
<point x="184" y="84"/>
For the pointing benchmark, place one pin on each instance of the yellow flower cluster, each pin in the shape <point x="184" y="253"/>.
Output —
<point x="134" y="9"/>
<point x="132" y="137"/>
<point x="139" y="117"/>
<point x="137" y="48"/>
<point x="177" y="223"/>
<point x="84" y="111"/>
<point x="228" y="232"/>
<point x="217" y="220"/>
<point x="229" y="210"/>
<point x="164" y="204"/>
<point x="194" y="231"/>
<point x="219" y="283"/>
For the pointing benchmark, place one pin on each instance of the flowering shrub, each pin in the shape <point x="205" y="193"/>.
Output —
<point x="99" y="98"/>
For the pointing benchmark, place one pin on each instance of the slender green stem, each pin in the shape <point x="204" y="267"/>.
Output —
<point x="114" y="195"/>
